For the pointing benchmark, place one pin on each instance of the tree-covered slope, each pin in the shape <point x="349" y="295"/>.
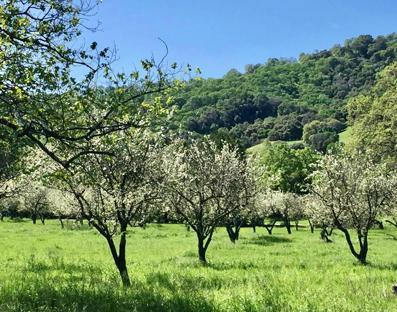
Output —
<point x="276" y="99"/>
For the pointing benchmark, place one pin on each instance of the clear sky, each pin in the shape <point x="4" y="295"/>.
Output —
<point x="217" y="35"/>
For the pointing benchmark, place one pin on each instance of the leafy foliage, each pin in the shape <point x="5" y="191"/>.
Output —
<point x="41" y="97"/>
<point x="293" y="92"/>
<point x="374" y="118"/>
<point x="287" y="169"/>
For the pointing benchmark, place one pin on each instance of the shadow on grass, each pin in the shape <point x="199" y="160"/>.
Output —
<point x="55" y="263"/>
<point x="224" y="266"/>
<point x="389" y="266"/>
<point x="188" y="284"/>
<point x="18" y="220"/>
<point x="391" y="236"/>
<point x="89" y="288"/>
<point x="99" y="298"/>
<point x="267" y="240"/>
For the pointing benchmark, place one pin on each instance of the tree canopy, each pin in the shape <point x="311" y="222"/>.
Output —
<point x="44" y="100"/>
<point x="374" y="117"/>
<point x="276" y="99"/>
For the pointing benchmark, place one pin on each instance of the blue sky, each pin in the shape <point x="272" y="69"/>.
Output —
<point x="219" y="35"/>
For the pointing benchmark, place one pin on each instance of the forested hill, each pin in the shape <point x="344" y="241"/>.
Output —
<point x="276" y="99"/>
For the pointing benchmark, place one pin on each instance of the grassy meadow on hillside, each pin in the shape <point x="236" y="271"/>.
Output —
<point x="45" y="268"/>
<point x="345" y="137"/>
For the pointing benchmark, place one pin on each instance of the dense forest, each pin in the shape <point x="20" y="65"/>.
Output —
<point x="286" y="99"/>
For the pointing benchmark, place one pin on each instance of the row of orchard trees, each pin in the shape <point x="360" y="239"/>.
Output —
<point x="207" y="185"/>
<point x="138" y="177"/>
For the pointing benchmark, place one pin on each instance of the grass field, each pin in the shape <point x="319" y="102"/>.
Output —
<point x="44" y="268"/>
<point x="259" y="148"/>
<point x="346" y="136"/>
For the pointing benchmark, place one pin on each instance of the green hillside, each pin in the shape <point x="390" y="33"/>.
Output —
<point x="344" y="137"/>
<point x="276" y="99"/>
<point x="259" y="148"/>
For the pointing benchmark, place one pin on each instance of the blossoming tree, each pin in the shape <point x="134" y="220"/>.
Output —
<point x="204" y="185"/>
<point x="352" y="192"/>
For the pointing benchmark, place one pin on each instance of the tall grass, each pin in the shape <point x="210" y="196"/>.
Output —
<point x="44" y="268"/>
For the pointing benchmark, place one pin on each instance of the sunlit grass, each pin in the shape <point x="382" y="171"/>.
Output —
<point x="346" y="136"/>
<point x="45" y="268"/>
<point x="261" y="147"/>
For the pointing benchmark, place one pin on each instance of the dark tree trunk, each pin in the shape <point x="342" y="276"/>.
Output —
<point x="34" y="219"/>
<point x="287" y="225"/>
<point x="61" y="222"/>
<point x="269" y="227"/>
<point x="1" y="217"/>
<point x="201" y="250"/>
<point x="311" y="226"/>
<point x="324" y="236"/>
<point x="363" y="240"/>
<point x="361" y="256"/>
<point x="42" y="219"/>
<point x="233" y="232"/>
<point x="120" y="258"/>
<point x="203" y="244"/>
<point x="254" y="228"/>
<point x="297" y="225"/>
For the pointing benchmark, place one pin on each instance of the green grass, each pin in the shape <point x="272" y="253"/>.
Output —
<point x="346" y="136"/>
<point x="259" y="148"/>
<point x="44" y="268"/>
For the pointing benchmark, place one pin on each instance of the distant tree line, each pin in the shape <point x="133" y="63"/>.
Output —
<point x="275" y="100"/>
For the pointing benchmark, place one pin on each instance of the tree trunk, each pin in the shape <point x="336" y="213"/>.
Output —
<point x="363" y="239"/>
<point x="287" y="225"/>
<point x="324" y="235"/>
<point x="61" y="222"/>
<point x="120" y="258"/>
<point x="34" y="219"/>
<point x="361" y="256"/>
<point x="254" y="228"/>
<point x="201" y="250"/>
<point x="311" y="226"/>
<point x="233" y="233"/>
<point x="1" y="217"/>
<point x="203" y="245"/>
<point x="297" y="225"/>
<point x="42" y="219"/>
<point x="125" y="278"/>
<point x="270" y="227"/>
